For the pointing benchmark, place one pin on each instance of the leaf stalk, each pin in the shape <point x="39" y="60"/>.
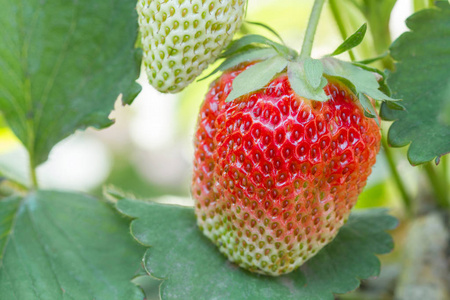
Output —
<point x="33" y="176"/>
<point x="444" y="162"/>
<point x="439" y="186"/>
<point x="311" y="29"/>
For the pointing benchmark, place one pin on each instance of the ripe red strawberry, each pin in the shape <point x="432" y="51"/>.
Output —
<point x="275" y="174"/>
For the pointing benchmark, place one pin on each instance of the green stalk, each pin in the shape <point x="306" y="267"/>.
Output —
<point x="33" y="176"/>
<point x="397" y="178"/>
<point x="383" y="40"/>
<point x="439" y="187"/>
<point x="337" y="17"/>
<point x="311" y="29"/>
<point x="422" y="4"/>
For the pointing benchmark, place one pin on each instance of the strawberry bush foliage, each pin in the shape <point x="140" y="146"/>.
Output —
<point x="64" y="64"/>
<point x="54" y="68"/>
<point x="424" y="48"/>
<point x="182" y="257"/>
<point x="55" y="245"/>
<point x="62" y="70"/>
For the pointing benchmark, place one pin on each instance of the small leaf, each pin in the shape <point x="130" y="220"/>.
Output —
<point x="381" y="79"/>
<point x="256" y="77"/>
<point x="369" y="68"/>
<point x="246" y="56"/>
<point x="299" y="83"/>
<point x="369" y="110"/>
<point x="395" y="105"/>
<point x="56" y="245"/>
<point x="352" y="41"/>
<point x="313" y="72"/>
<point x="363" y="80"/>
<point x="237" y="45"/>
<point x="267" y="28"/>
<point x="187" y="261"/>
<point x="421" y="79"/>
<point x="374" y="59"/>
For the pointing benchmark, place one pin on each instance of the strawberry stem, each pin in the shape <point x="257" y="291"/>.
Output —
<point x="396" y="175"/>
<point x="444" y="162"/>
<point x="439" y="186"/>
<point x="33" y="176"/>
<point x="311" y="29"/>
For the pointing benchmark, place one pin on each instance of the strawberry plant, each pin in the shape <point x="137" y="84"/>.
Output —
<point x="284" y="145"/>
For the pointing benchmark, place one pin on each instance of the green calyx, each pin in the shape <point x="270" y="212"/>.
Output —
<point x="306" y="75"/>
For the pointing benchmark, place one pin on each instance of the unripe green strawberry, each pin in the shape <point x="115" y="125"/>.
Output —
<point x="275" y="174"/>
<point x="181" y="38"/>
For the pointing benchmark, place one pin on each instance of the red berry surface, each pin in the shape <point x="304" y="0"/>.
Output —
<point x="276" y="175"/>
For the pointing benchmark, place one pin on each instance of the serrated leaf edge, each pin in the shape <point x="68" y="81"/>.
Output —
<point x="393" y="223"/>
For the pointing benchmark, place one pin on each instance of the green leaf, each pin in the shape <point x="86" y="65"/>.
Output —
<point x="363" y="81"/>
<point x="56" y="245"/>
<point x="256" y="77"/>
<point x="382" y="84"/>
<point x="352" y="41"/>
<point x="268" y="28"/>
<point x="369" y="110"/>
<point x="368" y="107"/>
<point x="422" y="80"/>
<point x="63" y="64"/>
<point x="373" y="59"/>
<point x="299" y="83"/>
<point x="246" y="56"/>
<point x="395" y="105"/>
<point x="313" y="71"/>
<point x="193" y="268"/>
<point x="444" y="117"/>
<point x="250" y="39"/>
